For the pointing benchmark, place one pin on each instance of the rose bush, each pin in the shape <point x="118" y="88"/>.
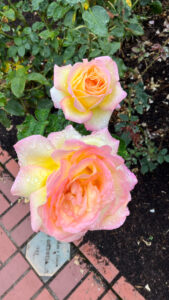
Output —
<point x="88" y="92"/>
<point x="75" y="183"/>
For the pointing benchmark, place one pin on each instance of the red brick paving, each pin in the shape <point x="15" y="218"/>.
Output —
<point x="5" y="185"/>
<point x="14" y="215"/>
<point x="4" y="156"/>
<point x="105" y="267"/>
<point x="44" y="295"/>
<point x="27" y="286"/>
<point x="110" y="296"/>
<point x="22" y="232"/>
<point x="12" y="271"/>
<point x="126" y="290"/>
<point x="12" y="167"/>
<point x="3" y="204"/>
<point x="76" y="280"/>
<point x="90" y="289"/>
<point x="68" y="278"/>
<point x="7" y="248"/>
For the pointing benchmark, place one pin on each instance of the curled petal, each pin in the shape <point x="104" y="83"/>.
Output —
<point x="61" y="77"/>
<point x="101" y="138"/>
<point x="99" y="120"/>
<point x="37" y="199"/>
<point x="110" y="65"/>
<point x="58" y="139"/>
<point x="57" y="96"/>
<point x="72" y="113"/>
<point x="112" y="101"/>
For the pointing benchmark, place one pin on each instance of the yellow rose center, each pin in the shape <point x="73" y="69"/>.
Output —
<point x="89" y="83"/>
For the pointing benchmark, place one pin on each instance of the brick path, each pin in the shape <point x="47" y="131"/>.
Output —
<point x="84" y="277"/>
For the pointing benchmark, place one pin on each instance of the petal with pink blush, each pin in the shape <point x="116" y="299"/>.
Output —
<point x="57" y="96"/>
<point x="72" y="113"/>
<point x="99" y="120"/>
<point x="34" y="149"/>
<point x="61" y="77"/>
<point x="112" y="101"/>
<point x="101" y="138"/>
<point x="109" y="65"/>
<point x="29" y="179"/>
<point x="37" y="199"/>
<point x="58" y="139"/>
<point x="113" y="221"/>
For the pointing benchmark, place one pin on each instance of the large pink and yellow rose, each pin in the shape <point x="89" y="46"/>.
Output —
<point x="88" y="92"/>
<point x="74" y="183"/>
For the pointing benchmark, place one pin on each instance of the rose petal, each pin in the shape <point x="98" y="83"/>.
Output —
<point x="61" y="77"/>
<point x="113" y="221"/>
<point x="37" y="199"/>
<point x="71" y="113"/>
<point x="29" y="179"/>
<point x="110" y="102"/>
<point x="34" y="149"/>
<point x="58" y="139"/>
<point x="99" y="119"/>
<point x="110" y="65"/>
<point x="57" y="96"/>
<point x="101" y="138"/>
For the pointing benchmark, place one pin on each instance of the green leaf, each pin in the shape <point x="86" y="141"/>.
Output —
<point x="35" y="4"/>
<point x="69" y="52"/>
<point x="18" y="41"/>
<point x="156" y="7"/>
<point x="30" y="126"/>
<point x="144" y="169"/>
<point x="42" y="114"/>
<point x="122" y="151"/>
<point x="164" y="151"/>
<point x="5" y="28"/>
<point x="18" y="86"/>
<point x="21" y="50"/>
<point x="12" y="51"/>
<point x="2" y="99"/>
<point x="117" y="32"/>
<point x="114" y="47"/>
<point x="27" y="30"/>
<point x="160" y="159"/>
<point x="38" y="26"/>
<point x="73" y="2"/>
<point x="10" y="14"/>
<point x="37" y="77"/>
<point x="13" y="107"/>
<point x="166" y="158"/>
<point x="46" y="34"/>
<point x="4" y="119"/>
<point x="45" y="103"/>
<point x="136" y="29"/>
<point x="35" y="49"/>
<point x="96" y="20"/>
<point x="56" y="11"/>
<point x="124" y="117"/>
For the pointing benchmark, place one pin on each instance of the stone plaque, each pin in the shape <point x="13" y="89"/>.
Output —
<point x="46" y="254"/>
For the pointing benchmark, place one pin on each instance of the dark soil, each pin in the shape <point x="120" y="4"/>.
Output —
<point x="140" y="248"/>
